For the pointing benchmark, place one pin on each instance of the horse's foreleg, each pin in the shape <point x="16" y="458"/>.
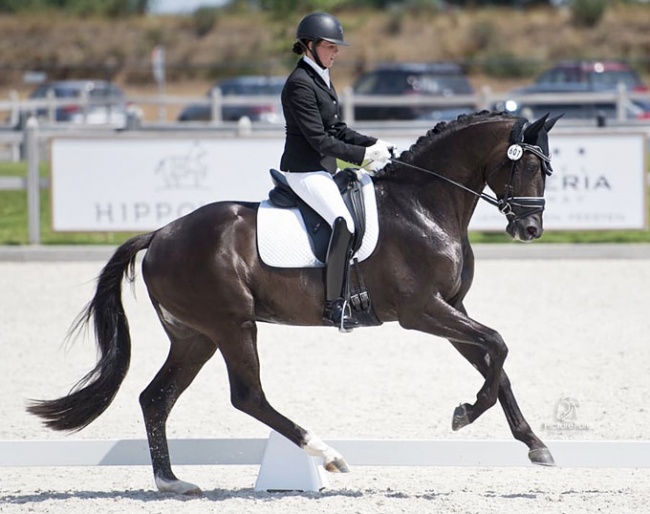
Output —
<point x="443" y="320"/>
<point x="239" y="350"/>
<point x="187" y="356"/>
<point x="538" y="452"/>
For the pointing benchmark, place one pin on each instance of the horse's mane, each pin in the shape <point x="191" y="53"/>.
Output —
<point x="442" y="129"/>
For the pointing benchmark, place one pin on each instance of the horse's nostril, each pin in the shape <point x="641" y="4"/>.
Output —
<point x="532" y="231"/>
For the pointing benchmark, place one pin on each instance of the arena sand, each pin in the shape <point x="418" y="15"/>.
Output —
<point x="576" y="329"/>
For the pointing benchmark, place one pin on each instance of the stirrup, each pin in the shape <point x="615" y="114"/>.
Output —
<point x="350" y="319"/>
<point x="336" y="315"/>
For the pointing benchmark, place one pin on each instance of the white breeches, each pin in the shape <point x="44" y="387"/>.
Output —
<point x="319" y="191"/>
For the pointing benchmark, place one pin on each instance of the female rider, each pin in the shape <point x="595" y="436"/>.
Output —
<point x="315" y="137"/>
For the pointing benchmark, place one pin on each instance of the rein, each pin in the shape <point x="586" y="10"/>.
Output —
<point x="510" y="204"/>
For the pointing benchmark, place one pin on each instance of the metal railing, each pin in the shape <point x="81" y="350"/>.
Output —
<point x="16" y="108"/>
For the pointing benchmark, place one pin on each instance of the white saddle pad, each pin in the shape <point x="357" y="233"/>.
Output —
<point x="282" y="239"/>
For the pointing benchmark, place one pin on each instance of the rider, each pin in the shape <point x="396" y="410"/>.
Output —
<point x="315" y="137"/>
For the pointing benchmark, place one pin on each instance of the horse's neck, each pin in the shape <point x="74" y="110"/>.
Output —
<point x="442" y="201"/>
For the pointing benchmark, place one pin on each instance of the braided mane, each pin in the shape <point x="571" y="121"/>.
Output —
<point x="442" y="129"/>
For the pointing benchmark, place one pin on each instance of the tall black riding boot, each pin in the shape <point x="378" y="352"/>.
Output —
<point x="336" y="274"/>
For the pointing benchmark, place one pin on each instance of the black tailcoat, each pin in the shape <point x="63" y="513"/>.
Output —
<point x="315" y="133"/>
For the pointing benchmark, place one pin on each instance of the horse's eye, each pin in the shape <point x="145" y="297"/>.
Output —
<point x="531" y="167"/>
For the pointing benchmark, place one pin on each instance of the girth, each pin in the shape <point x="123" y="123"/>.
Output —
<point x="318" y="230"/>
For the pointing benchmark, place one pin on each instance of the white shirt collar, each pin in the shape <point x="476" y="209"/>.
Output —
<point x="324" y="73"/>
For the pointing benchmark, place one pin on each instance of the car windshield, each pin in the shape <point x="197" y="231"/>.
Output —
<point x="441" y="85"/>
<point x="251" y="89"/>
<point x="386" y="83"/>
<point x="67" y="91"/>
<point x="399" y="83"/>
<point x="613" y="78"/>
<point x="59" y="92"/>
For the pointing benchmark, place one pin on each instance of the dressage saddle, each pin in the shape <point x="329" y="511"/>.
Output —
<point x="318" y="230"/>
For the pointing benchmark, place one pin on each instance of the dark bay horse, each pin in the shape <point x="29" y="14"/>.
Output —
<point x="209" y="287"/>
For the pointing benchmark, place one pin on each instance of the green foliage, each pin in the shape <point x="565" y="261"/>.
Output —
<point x="112" y="8"/>
<point x="587" y="13"/>
<point x="280" y="8"/>
<point x="505" y="65"/>
<point x="204" y="20"/>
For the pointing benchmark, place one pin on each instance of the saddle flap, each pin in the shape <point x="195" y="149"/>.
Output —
<point x="285" y="237"/>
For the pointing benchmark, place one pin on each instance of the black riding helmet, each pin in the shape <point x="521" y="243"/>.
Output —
<point x="320" y="25"/>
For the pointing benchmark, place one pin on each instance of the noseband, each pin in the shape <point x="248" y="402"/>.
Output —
<point x="519" y="207"/>
<point x="511" y="206"/>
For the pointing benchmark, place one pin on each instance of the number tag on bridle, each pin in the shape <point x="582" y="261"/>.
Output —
<point x="515" y="152"/>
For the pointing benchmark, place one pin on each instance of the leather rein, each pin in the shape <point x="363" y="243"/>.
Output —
<point x="513" y="207"/>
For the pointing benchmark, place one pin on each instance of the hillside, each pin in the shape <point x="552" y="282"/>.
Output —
<point x="500" y="47"/>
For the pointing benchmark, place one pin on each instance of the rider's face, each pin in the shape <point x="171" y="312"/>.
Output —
<point x="327" y="52"/>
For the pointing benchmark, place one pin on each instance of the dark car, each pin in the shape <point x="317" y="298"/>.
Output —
<point x="574" y="77"/>
<point x="589" y="76"/>
<point x="106" y="104"/>
<point x="427" y="79"/>
<point x="249" y="85"/>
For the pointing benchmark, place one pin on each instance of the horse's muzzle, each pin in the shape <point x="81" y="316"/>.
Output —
<point x="524" y="215"/>
<point x="525" y="230"/>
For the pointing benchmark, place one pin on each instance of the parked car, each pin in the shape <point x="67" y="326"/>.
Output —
<point x="399" y="79"/>
<point x="107" y="104"/>
<point x="247" y="85"/>
<point x="574" y="77"/>
<point x="588" y="75"/>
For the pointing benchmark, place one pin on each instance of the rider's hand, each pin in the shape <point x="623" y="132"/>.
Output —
<point x="392" y="148"/>
<point x="377" y="153"/>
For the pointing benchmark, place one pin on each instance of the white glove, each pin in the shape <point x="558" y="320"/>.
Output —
<point x="392" y="148"/>
<point x="377" y="153"/>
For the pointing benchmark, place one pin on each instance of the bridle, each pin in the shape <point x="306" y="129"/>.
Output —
<point x="511" y="206"/>
<point x="520" y="207"/>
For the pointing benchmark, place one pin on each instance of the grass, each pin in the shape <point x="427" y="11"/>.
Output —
<point x="14" y="231"/>
<point x="13" y="216"/>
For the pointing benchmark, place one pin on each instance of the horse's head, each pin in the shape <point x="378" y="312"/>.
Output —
<point x="520" y="191"/>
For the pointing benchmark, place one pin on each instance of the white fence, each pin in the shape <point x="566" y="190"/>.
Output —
<point x="15" y="108"/>
<point x="497" y="453"/>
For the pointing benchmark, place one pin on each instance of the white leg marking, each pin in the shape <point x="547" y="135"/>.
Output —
<point x="315" y="447"/>
<point x="176" y="486"/>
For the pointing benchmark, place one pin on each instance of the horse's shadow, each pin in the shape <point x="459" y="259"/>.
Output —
<point x="215" y="495"/>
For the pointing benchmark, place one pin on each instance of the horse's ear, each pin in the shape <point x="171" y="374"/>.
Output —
<point x="550" y="123"/>
<point x="531" y="130"/>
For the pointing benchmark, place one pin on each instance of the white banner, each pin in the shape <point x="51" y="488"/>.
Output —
<point x="598" y="183"/>
<point x="141" y="184"/>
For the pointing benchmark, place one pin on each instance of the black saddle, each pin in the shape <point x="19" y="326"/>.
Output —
<point x="318" y="229"/>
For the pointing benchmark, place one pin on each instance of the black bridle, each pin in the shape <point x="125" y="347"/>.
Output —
<point x="513" y="207"/>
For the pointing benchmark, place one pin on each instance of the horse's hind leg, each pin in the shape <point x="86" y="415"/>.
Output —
<point x="189" y="351"/>
<point x="538" y="452"/>
<point x="238" y="345"/>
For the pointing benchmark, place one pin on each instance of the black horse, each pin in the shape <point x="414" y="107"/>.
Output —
<point x="210" y="288"/>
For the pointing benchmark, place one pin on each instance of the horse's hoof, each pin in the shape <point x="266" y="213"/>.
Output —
<point x="337" y="466"/>
<point x="461" y="417"/>
<point x="541" y="457"/>
<point x="178" y="487"/>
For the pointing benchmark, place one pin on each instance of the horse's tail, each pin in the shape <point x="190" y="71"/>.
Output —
<point x="92" y="395"/>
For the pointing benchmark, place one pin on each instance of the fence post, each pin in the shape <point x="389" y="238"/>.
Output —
<point x="348" y="105"/>
<point x="621" y="100"/>
<point x="215" y="106"/>
<point x="33" y="181"/>
<point x="51" y="106"/>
